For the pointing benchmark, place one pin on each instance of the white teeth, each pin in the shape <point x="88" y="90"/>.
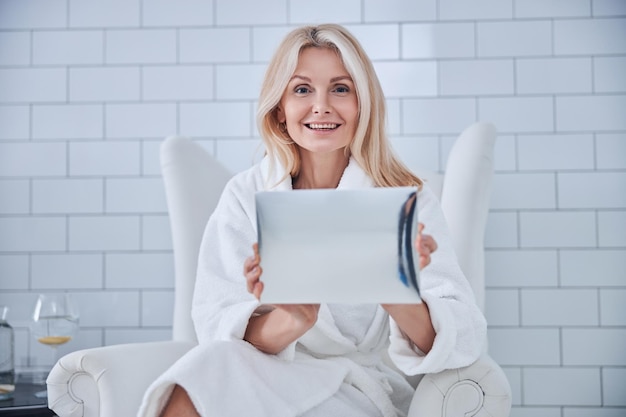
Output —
<point x="322" y="125"/>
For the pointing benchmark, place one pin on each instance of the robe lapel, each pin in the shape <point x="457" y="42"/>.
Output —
<point x="353" y="177"/>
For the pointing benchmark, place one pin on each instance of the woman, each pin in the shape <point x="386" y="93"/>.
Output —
<point x="321" y="116"/>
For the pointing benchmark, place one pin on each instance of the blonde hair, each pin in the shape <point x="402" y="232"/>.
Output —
<point x="370" y="146"/>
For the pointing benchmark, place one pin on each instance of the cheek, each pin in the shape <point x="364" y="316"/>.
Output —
<point x="352" y="115"/>
<point x="350" y="110"/>
<point x="294" y="114"/>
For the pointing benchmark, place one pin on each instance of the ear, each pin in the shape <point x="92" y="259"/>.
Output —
<point x="280" y="114"/>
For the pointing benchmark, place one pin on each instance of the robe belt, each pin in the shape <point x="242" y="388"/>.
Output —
<point x="377" y="389"/>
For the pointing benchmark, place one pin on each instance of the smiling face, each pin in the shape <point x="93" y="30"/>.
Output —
<point x="319" y="105"/>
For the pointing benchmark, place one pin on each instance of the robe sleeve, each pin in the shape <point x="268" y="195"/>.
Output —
<point x="458" y="322"/>
<point x="222" y="305"/>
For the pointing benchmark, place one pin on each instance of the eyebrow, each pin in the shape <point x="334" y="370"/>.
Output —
<point x="332" y="80"/>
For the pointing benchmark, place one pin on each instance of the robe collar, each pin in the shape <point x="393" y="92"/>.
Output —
<point x="353" y="176"/>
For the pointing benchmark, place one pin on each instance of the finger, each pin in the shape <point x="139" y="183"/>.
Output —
<point x="247" y="265"/>
<point x="419" y="243"/>
<point x="424" y="261"/>
<point x="418" y="237"/>
<point x="257" y="290"/>
<point x="252" y="277"/>
<point x="425" y="244"/>
<point x="429" y="243"/>
<point x="249" y="281"/>
<point x="250" y="261"/>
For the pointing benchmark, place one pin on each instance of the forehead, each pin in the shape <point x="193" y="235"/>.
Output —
<point x="317" y="61"/>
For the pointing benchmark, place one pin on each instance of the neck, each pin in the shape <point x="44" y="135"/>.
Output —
<point x="320" y="171"/>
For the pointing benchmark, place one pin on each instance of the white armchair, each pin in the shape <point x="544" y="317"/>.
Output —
<point x="110" y="381"/>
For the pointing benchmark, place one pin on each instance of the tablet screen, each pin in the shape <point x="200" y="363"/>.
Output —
<point x="338" y="245"/>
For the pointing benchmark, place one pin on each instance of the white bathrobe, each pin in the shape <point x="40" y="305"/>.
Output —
<point x="340" y="359"/>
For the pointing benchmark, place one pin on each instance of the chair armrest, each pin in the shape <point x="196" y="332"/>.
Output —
<point x="109" y="381"/>
<point x="480" y="389"/>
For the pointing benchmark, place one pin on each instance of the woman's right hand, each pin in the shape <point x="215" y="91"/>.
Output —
<point x="252" y="271"/>
<point x="272" y="332"/>
<point x="303" y="314"/>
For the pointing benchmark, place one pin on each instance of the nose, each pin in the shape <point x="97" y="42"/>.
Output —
<point x="321" y="104"/>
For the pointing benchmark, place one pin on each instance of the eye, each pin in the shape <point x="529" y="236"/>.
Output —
<point x="302" y="89"/>
<point x="341" y="89"/>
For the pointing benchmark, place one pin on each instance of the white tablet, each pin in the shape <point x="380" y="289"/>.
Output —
<point x="338" y="246"/>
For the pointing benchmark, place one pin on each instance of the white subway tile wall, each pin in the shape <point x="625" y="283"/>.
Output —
<point x="88" y="90"/>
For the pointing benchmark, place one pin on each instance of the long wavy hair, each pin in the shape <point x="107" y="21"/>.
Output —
<point x="370" y="146"/>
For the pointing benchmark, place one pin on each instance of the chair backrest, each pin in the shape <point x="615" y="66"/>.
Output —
<point x="194" y="181"/>
<point x="464" y="191"/>
<point x="465" y="200"/>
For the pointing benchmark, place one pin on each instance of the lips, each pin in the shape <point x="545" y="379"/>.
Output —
<point x="322" y="126"/>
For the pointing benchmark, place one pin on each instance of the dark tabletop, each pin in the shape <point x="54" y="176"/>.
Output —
<point x="25" y="403"/>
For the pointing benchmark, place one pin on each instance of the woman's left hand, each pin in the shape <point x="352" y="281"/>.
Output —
<point x="425" y="245"/>
<point x="414" y="319"/>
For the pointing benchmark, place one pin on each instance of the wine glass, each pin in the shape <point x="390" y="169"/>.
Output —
<point x="55" y="322"/>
